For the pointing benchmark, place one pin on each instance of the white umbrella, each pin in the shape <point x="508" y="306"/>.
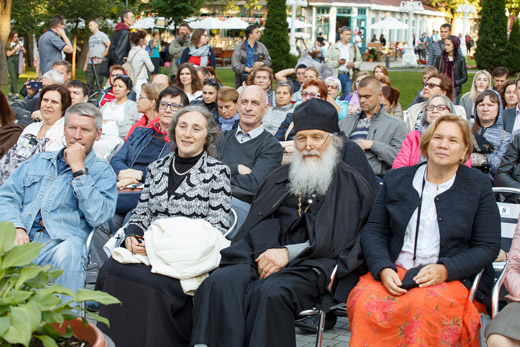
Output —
<point x="208" y="23"/>
<point x="389" y="23"/>
<point x="235" y="23"/>
<point x="144" y="23"/>
<point x="298" y="24"/>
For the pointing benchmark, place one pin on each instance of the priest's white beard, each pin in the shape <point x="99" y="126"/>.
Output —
<point x="313" y="176"/>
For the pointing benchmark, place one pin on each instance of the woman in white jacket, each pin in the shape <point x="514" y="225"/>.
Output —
<point x="139" y="59"/>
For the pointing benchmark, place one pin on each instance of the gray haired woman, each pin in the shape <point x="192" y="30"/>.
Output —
<point x="190" y="183"/>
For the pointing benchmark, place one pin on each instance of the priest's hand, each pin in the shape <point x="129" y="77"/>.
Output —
<point x="431" y="275"/>
<point x="391" y="281"/>
<point x="271" y="261"/>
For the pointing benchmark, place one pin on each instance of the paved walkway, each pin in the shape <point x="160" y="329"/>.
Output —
<point x="338" y="336"/>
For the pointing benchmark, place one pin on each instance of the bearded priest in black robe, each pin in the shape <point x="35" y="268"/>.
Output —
<point x="305" y="219"/>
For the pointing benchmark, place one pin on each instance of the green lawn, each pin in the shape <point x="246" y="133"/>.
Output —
<point x="408" y="82"/>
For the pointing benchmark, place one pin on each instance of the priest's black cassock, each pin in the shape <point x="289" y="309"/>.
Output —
<point x="234" y="308"/>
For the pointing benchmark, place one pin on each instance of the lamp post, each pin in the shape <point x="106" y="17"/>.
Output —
<point x="409" y="59"/>
<point x="465" y="10"/>
<point x="292" y="40"/>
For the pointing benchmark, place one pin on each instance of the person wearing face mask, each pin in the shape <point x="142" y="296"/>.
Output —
<point x="278" y="112"/>
<point x="199" y="52"/>
<point x="453" y="65"/>
<point x="210" y="88"/>
<point x="410" y="154"/>
<point x="227" y="108"/>
<point x="481" y="82"/>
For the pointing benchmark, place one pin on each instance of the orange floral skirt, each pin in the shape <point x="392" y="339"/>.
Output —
<point x="440" y="315"/>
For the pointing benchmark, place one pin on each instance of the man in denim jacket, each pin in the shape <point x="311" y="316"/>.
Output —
<point x="58" y="198"/>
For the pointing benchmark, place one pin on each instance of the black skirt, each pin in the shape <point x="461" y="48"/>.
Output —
<point x="155" y="310"/>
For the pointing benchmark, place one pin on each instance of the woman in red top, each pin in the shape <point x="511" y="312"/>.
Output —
<point x="199" y="52"/>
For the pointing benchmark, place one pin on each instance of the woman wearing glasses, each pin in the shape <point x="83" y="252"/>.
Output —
<point x="436" y="84"/>
<point x="199" y="52"/>
<point x="118" y="117"/>
<point x="410" y="154"/>
<point x="189" y="182"/>
<point x="188" y="80"/>
<point x="210" y="88"/>
<point x="146" y="105"/>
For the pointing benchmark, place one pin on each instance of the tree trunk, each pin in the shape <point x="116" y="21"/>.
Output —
<point x="83" y="54"/>
<point x="5" y="27"/>
<point x="29" y="48"/>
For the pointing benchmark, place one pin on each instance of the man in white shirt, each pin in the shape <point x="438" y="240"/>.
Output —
<point x="344" y="57"/>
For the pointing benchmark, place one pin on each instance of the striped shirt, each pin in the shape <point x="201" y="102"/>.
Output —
<point x="362" y="128"/>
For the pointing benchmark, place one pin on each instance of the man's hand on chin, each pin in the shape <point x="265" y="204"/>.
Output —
<point x="75" y="156"/>
<point x="271" y="261"/>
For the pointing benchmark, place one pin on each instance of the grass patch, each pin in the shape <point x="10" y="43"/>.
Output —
<point x="408" y="82"/>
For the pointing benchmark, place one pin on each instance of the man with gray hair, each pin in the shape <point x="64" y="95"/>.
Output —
<point x="58" y="198"/>
<point x="306" y="218"/>
<point x="344" y="58"/>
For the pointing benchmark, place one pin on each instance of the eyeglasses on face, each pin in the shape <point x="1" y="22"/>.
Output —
<point x="310" y="95"/>
<point x="438" y="107"/>
<point x="315" y="141"/>
<point x="431" y="85"/>
<point x="163" y="105"/>
<point x="332" y="86"/>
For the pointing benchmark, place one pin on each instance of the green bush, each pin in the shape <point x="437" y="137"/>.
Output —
<point x="276" y="35"/>
<point x="492" y="35"/>
<point x="512" y="50"/>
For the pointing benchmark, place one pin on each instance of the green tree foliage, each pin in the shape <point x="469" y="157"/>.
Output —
<point x="174" y="9"/>
<point x="514" y="7"/>
<point x="492" y="36"/>
<point x="450" y="6"/>
<point x="276" y="35"/>
<point x="512" y="50"/>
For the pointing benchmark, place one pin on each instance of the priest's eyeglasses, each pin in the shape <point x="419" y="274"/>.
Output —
<point x="315" y="141"/>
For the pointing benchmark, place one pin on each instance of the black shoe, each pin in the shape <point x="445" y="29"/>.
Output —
<point x="91" y="306"/>
<point x="309" y="325"/>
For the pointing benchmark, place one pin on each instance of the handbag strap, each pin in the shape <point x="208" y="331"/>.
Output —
<point x="418" y="218"/>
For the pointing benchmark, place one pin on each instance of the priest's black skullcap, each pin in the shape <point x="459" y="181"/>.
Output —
<point x="316" y="114"/>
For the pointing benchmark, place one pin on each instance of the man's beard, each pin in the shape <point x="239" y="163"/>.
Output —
<point x="182" y="39"/>
<point x="313" y="176"/>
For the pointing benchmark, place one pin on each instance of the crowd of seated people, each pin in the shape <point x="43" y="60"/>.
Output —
<point x="288" y="156"/>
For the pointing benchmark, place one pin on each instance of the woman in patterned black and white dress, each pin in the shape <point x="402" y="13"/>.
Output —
<point x="188" y="182"/>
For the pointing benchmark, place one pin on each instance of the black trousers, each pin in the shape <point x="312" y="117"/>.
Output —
<point x="234" y="308"/>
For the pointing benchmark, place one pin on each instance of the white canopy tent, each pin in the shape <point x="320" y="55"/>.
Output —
<point x="235" y="23"/>
<point x="208" y="23"/>
<point x="389" y="23"/>
<point x="298" y="24"/>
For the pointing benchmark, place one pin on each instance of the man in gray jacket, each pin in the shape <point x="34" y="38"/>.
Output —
<point x="248" y="55"/>
<point x="379" y="134"/>
<point x="181" y="42"/>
